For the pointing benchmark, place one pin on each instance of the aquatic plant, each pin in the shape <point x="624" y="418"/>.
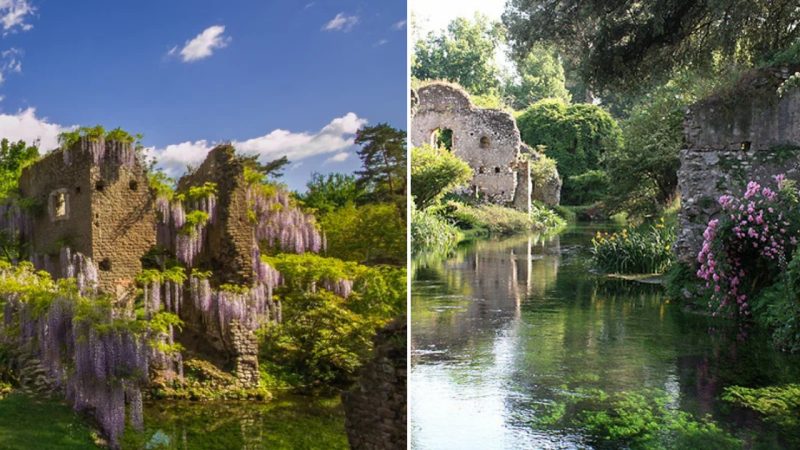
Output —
<point x="647" y="249"/>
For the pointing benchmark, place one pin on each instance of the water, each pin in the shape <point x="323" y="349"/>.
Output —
<point x="504" y="330"/>
<point x="287" y="422"/>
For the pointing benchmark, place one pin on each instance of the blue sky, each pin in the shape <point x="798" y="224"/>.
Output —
<point x="273" y="77"/>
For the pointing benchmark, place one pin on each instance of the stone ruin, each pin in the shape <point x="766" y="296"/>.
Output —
<point x="375" y="407"/>
<point x="488" y="140"/>
<point x="96" y="218"/>
<point x="750" y="133"/>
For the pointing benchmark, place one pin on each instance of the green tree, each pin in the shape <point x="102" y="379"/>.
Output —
<point x="577" y="136"/>
<point x="539" y="75"/>
<point x="383" y="156"/>
<point x="326" y="193"/>
<point x="463" y="53"/>
<point x="435" y="172"/>
<point x="14" y="156"/>
<point x="271" y="169"/>
<point x="369" y="234"/>
<point x="645" y="169"/>
<point x="628" y="43"/>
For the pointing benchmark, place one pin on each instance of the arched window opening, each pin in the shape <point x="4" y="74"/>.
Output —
<point x="485" y="142"/>
<point x="442" y="138"/>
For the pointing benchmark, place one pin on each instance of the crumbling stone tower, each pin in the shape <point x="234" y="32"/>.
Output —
<point x="488" y="140"/>
<point x="92" y="198"/>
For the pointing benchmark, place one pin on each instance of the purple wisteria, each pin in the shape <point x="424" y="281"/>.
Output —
<point x="281" y="225"/>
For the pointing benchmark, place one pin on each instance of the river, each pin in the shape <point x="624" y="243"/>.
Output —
<point x="504" y="330"/>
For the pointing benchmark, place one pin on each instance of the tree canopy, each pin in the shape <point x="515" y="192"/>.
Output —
<point x="539" y="75"/>
<point x="463" y="53"/>
<point x="383" y="155"/>
<point x="626" y="43"/>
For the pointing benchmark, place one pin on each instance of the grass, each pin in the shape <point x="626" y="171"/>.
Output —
<point x="26" y="423"/>
<point x="488" y="219"/>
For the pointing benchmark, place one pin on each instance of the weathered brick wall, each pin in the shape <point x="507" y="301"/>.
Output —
<point x="749" y="133"/>
<point x="36" y="184"/>
<point x="228" y="250"/>
<point x="487" y="139"/>
<point x="375" y="407"/>
<point x="123" y="221"/>
<point x="106" y="218"/>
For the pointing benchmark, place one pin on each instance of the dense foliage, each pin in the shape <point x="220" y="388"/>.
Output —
<point x="432" y="233"/>
<point x="326" y="334"/>
<point x="578" y="137"/>
<point x="630" y="44"/>
<point x="370" y="234"/>
<point x="435" y="172"/>
<point x="463" y="53"/>
<point x="539" y="75"/>
<point x="326" y="193"/>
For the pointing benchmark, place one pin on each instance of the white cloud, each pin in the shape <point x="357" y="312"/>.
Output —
<point x="203" y="45"/>
<point x="337" y="158"/>
<point x="341" y="22"/>
<point x="308" y="5"/>
<point x="399" y="25"/>
<point x="13" y="15"/>
<point x="334" y="137"/>
<point x="26" y="126"/>
<point x="380" y="43"/>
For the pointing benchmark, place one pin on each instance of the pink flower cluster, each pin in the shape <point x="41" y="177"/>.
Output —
<point x="753" y="226"/>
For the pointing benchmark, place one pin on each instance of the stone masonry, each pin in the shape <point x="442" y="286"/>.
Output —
<point x="748" y="134"/>
<point x="487" y="139"/>
<point x="375" y="407"/>
<point x="93" y="198"/>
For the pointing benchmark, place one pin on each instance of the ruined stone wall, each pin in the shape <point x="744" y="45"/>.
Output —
<point x="230" y="240"/>
<point x="487" y="139"/>
<point x="48" y="233"/>
<point x="749" y="133"/>
<point x="375" y="407"/>
<point x="107" y="210"/>
<point x="123" y="221"/>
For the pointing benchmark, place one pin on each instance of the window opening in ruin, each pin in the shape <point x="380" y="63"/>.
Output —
<point x="496" y="170"/>
<point x="100" y="185"/>
<point x="105" y="265"/>
<point x="481" y="169"/>
<point x="442" y="138"/>
<point x="60" y="205"/>
<point x="745" y="146"/>
<point x="77" y="189"/>
<point x="134" y="185"/>
<point x="485" y="142"/>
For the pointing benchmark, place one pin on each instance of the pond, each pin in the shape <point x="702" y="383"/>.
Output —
<point x="287" y="422"/>
<point x="507" y="334"/>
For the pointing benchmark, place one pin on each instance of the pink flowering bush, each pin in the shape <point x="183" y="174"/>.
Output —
<point x="747" y="247"/>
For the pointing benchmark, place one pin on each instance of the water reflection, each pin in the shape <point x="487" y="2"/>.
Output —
<point x="504" y="328"/>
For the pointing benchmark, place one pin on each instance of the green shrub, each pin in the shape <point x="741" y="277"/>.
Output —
<point x="588" y="187"/>
<point x="644" y="250"/>
<point x="778" y="308"/>
<point x="435" y="172"/>
<point x="370" y="234"/>
<point x="577" y="136"/>
<point x="431" y="233"/>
